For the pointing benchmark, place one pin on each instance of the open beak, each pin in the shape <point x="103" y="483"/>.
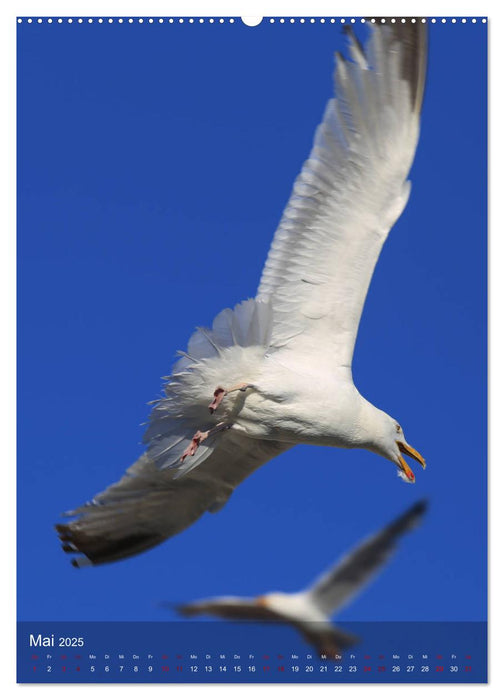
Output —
<point x="411" y="452"/>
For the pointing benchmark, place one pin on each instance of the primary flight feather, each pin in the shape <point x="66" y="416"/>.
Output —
<point x="275" y="371"/>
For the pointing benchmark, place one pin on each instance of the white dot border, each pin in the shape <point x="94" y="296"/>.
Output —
<point x="219" y="21"/>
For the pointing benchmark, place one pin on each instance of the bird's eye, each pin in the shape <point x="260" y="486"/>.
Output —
<point x="398" y="427"/>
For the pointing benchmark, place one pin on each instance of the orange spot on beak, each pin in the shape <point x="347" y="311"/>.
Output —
<point x="406" y="470"/>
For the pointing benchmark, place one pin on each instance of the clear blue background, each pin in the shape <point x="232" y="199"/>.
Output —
<point x="154" y="164"/>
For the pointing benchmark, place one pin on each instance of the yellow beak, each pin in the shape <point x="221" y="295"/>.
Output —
<point x="411" y="452"/>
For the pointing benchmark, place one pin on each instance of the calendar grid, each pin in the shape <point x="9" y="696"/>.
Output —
<point x="215" y="652"/>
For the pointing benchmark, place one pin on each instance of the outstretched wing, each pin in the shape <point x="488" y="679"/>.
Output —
<point x="348" y="195"/>
<point x="351" y="573"/>
<point x="162" y="493"/>
<point x="149" y="505"/>
<point x="230" y="609"/>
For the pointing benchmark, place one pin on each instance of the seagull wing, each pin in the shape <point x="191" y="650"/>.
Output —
<point x="351" y="573"/>
<point x="230" y="609"/>
<point x="348" y="195"/>
<point x="149" y="505"/>
<point x="163" y="493"/>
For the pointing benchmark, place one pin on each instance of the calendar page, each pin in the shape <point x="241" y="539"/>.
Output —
<point x="252" y="349"/>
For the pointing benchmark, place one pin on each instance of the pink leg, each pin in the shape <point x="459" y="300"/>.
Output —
<point x="220" y="393"/>
<point x="199" y="437"/>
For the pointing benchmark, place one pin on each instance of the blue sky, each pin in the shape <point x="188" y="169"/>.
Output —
<point x="154" y="162"/>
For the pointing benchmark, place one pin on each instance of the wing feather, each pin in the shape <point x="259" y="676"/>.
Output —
<point x="161" y="494"/>
<point x="149" y="505"/>
<point x="353" y="571"/>
<point x="230" y="609"/>
<point x="348" y="195"/>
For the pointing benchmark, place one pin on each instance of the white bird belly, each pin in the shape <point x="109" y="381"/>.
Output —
<point x="294" y="407"/>
<point x="281" y="403"/>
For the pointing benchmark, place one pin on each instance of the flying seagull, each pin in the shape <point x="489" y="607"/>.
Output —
<point x="310" y="610"/>
<point x="275" y="371"/>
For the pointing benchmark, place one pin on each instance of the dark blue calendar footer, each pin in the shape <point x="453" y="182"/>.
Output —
<point x="218" y="652"/>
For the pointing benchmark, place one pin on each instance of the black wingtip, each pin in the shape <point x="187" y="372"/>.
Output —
<point x="185" y="610"/>
<point x="101" y="550"/>
<point x="349" y="32"/>
<point x="410" y="518"/>
<point x="69" y="548"/>
<point x="420" y="507"/>
<point x="412" y="33"/>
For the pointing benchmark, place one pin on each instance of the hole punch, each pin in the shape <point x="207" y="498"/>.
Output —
<point x="252" y="21"/>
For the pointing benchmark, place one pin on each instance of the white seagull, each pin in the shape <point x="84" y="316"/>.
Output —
<point x="277" y="369"/>
<point x="310" y="611"/>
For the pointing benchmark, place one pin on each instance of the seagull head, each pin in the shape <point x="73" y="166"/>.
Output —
<point x="393" y="446"/>
<point x="382" y="434"/>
